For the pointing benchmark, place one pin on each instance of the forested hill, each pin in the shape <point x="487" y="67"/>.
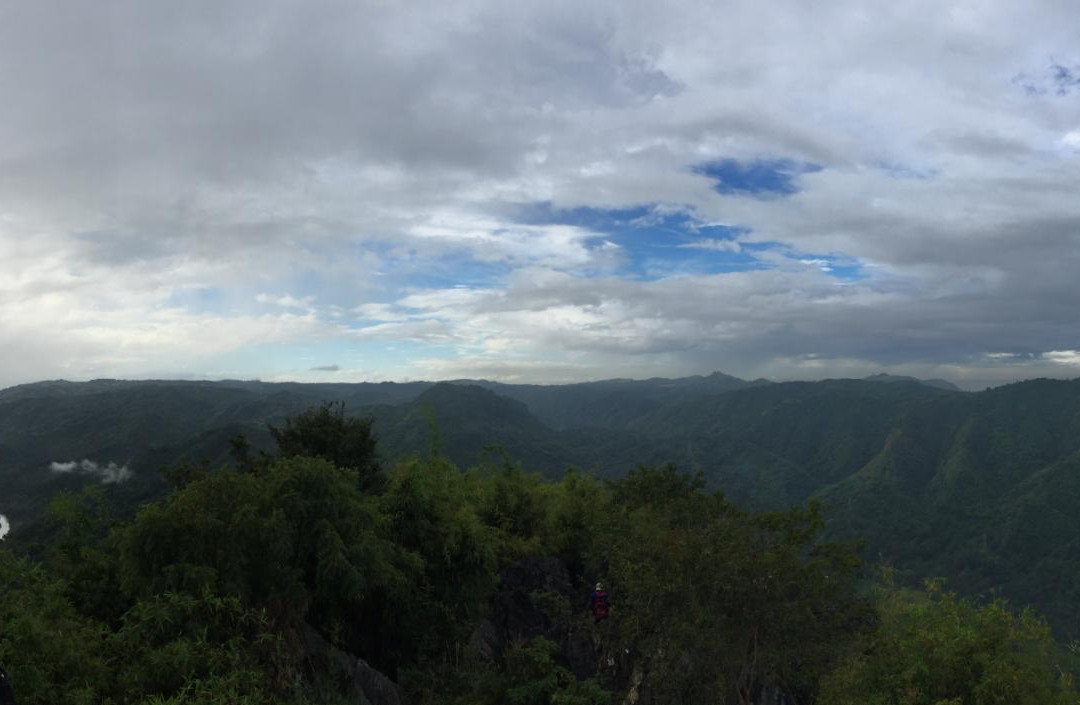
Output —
<point x="977" y="487"/>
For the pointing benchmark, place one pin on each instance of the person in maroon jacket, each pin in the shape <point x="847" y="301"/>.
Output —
<point x="598" y="603"/>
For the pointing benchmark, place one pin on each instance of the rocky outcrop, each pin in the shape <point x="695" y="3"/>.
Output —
<point x="376" y="687"/>
<point x="7" y="695"/>
<point x="362" y="681"/>
<point x="536" y="597"/>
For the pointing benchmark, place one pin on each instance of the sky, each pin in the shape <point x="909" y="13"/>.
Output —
<point x="539" y="191"/>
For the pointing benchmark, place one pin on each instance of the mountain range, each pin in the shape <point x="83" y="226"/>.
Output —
<point x="979" y="487"/>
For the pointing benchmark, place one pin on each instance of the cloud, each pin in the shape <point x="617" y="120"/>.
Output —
<point x="286" y="301"/>
<point x="1064" y="357"/>
<point x="193" y="190"/>
<point x="810" y="324"/>
<point x="109" y="474"/>
<point x="714" y="244"/>
<point x="326" y="368"/>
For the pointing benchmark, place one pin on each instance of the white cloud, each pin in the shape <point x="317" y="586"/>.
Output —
<point x="822" y="264"/>
<point x="109" y="474"/>
<point x="287" y="301"/>
<point x="489" y="239"/>
<point x="713" y="244"/>
<point x="1064" y="357"/>
<point x="421" y="330"/>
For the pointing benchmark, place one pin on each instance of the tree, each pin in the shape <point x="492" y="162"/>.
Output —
<point x="431" y="512"/>
<point x="938" y="649"/>
<point x="325" y="432"/>
<point x="713" y="604"/>
<point x="51" y="652"/>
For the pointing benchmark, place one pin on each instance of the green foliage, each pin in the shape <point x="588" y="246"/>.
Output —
<point x="530" y="674"/>
<point x="300" y="538"/>
<point x="578" y="506"/>
<point x="432" y="513"/>
<point x="185" y="472"/>
<point x="534" y="677"/>
<point x="198" y="649"/>
<point x="225" y="534"/>
<point x="325" y="432"/>
<point x="51" y="652"/>
<point x="713" y="602"/>
<point x="513" y="502"/>
<point x="82" y="553"/>
<point x="937" y="648"/>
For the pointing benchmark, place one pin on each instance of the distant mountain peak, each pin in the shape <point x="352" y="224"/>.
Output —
<point x="936" y="383"/>
<point x="478" y="402"/>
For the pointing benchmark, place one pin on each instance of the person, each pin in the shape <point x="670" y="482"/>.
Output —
<point x="598" y="603"/>
<point x="7" y="695"/>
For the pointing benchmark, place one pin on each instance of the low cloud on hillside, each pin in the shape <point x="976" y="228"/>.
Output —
<point x="109" y="474"/>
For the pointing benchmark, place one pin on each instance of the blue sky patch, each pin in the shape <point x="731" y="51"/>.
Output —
<point x="599" y="219"/>
<point x="759" y="177"/>
<point x="1065" y="78"/>
<point x="460" y="269"/>
<point x="657" y="241"/>
<point x="1058" y="79"/>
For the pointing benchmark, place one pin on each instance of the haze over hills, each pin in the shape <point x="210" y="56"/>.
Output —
<point x="978" y="487"/>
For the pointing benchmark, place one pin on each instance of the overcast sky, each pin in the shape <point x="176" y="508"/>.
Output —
<point x="539" y="191"/>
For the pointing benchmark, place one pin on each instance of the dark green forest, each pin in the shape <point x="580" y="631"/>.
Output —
<point x="980" y="488"/>
<point x="310" y="570"/>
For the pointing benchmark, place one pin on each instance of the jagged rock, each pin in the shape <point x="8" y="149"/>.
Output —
<point x="579" y="653"/>
<point x="486" y="640"/>
<point x="536" y="597"/>
<point x="633" y="692"/>
<point x="7" y="695"/>
<point x="376" y="687"/>
<point x="364" y="682"/>
<point x="518" y="610"/>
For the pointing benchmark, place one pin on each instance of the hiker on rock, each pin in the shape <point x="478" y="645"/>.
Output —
<point x="598" y="603"/>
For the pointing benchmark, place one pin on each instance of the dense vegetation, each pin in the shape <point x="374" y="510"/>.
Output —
<point x="977" y="487"/>
<point x="312" y="574"/>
